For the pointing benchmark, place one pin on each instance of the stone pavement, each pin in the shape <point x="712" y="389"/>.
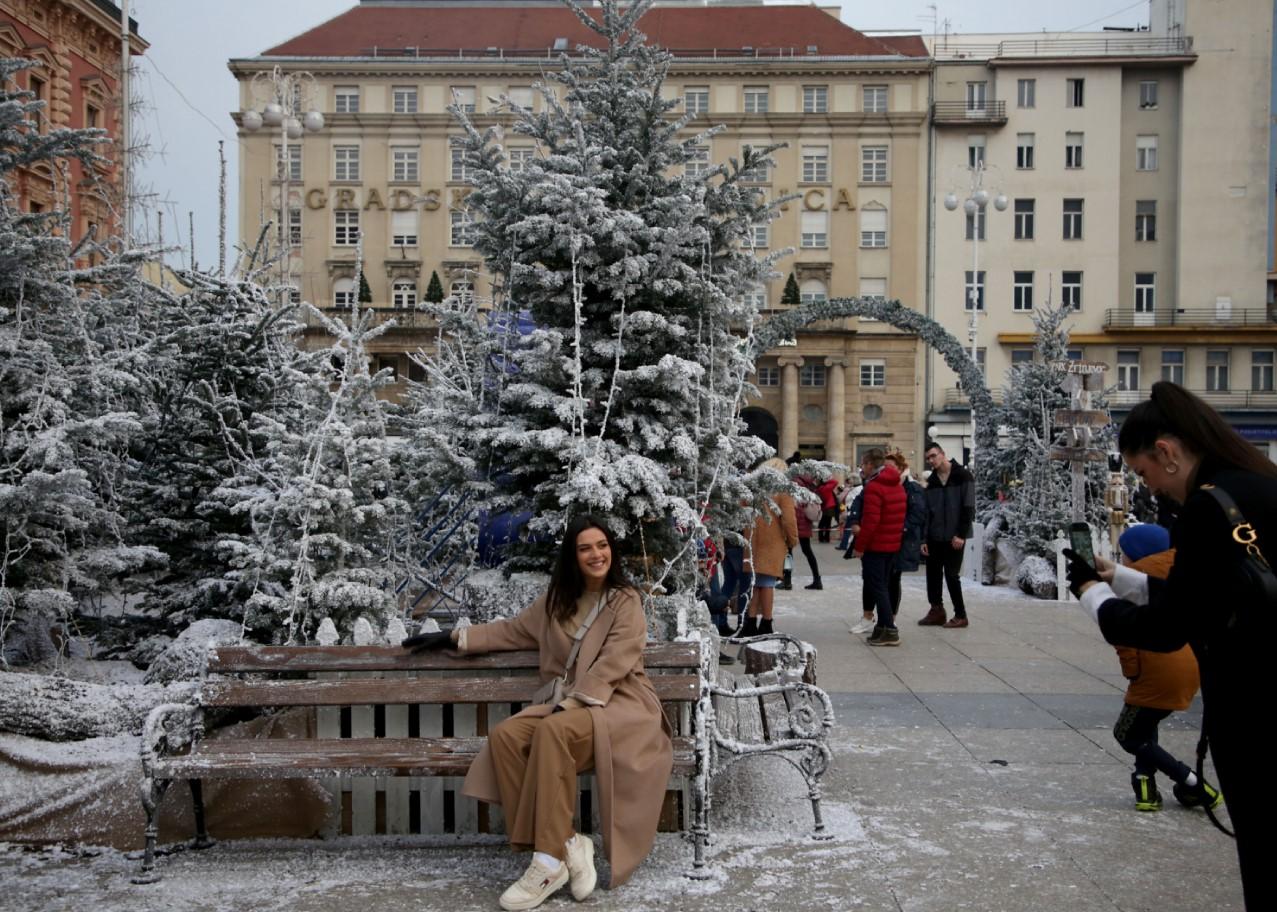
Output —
<point x="973" y="769"/>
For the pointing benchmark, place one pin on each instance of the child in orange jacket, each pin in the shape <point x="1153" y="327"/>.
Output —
<point x="1160" y="683"/>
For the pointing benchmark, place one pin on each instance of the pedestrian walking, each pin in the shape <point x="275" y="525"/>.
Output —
<point x="773" y="534"/>
<point x="806" y="524"/>
<point x="828" y="491"/>
<point x="878" y="541"/>
<point x="950" y="496"/>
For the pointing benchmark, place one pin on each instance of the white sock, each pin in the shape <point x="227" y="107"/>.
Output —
<point x="549" y="862"/>
<point x="1191" y="780"/>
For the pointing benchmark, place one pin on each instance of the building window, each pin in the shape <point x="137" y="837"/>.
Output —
<point x="1128" y="370"/>
<point x="458" y="170"/>
<point x="519" y="158"/>
<point x="814" y="229"/>
<point x="873" y="287"/>
<point x="294" y="227"/>
<point x="759" y="173"/>
<point x="1024" y="219"/>
<point x="1073" y="220"/>
<point x="1021" y="356"/>
<point x="813" y="291"/>
<point x="975" y="224"/>
<point x="1145" y="292"/>
<point x="1074" y="90"/>
<point x="404" y="164"/>
<point x="1071" y="289"/>
<point x="873" y="164"/>
<point x="815" y="99"/>
<point x="464" y="98"/>
<point x="873" y="227"/>
<point x="1261" y="371"/>
<point x="757" y="297"/>
<point x="1022" y="290"/>
<point x="1072" y="150"/>
<point x="346" y="163"/>
<point x="696" y="99"/>
<point x="758" y="236"/>
<point x="403" y="294"/>
<point x="769" y="376"/>
<point x="386" y="363"/>
<point x="92" y="116"/>
<point x="404" y="99"/>
<point x="461" y="228"/>
<point x="697" y="161"/>
<point x="811" y="375"/>
<point x="294" y="162"/>
<point x="346" y="99"/>
<point x="974" y="289"/>
<point x="403" y="228"/>
<point x="815" y="164"/>
<point x="343" y="292"/>
<point x="977" y="97"/>
<point x="873" y="99"/>
<point x="975" y="150"/>
<point x="1173" y="365"/>
<point x="873" y="373"/>
<point x="1217" y="371"/>
<point x="346" y="225"/>
<point x="462" y="290"/>
<point x="1075" y="354"/>
<point x="757" y="100"/>
<point x="521" y="96"/>
<point x="1026" y="93"/>
<point x="1146" y="153"/>
<point x="1148" y="95"/>
<point x="1024" y="151"/>
<point x="1146" y="220"/>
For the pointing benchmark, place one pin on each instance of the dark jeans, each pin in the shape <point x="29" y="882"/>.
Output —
<point x="805" y="544"/>
<point x="827" y="517"/>
<point x="945" y="561"/>
<point x="1136" y="731"/>
<point x="736" y="582"/>
<point x="877" y="567"/>
<point x="893" y="587"/>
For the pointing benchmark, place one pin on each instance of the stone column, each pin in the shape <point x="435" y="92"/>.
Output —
<point x="789" y="365"/>
<point x="836" y="426"/>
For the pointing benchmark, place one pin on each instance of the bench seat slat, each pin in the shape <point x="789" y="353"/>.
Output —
<point x="302" y="758"/>
<point x="398" y="691"/>
<point x="230" y="659"/>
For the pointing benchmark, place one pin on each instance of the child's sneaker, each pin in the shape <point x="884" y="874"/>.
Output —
<point x="1147" y="797"/>
<point x="1201" y="795"/>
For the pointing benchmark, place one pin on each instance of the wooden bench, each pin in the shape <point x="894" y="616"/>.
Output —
<point x="495" y="685"/>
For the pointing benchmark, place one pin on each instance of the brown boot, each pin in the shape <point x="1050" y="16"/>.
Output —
<point x="934" y="618"/>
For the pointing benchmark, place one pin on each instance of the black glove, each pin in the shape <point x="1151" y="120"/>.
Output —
<point x="423" y="642"/>
<point x="1079" y="572"/>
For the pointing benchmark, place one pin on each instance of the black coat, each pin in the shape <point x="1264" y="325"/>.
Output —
<point x="1205" y="603"/>
<point x="910" y="555"/>
<point x="950" y="506"/>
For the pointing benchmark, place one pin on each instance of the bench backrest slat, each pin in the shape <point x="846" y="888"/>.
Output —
<point x="275" y="659"/>
<point x="397" y="691"/>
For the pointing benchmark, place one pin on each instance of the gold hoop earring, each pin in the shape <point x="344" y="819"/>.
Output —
<point x="1172" y="468"/>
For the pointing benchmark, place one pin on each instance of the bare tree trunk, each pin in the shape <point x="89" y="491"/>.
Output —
<point x="58" y="709"/>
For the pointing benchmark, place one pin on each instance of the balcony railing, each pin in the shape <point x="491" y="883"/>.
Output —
<point x="1220" y="399"/>
<point x="1191" y="318"/>
<point x="963" y="112"/>
<point x="955" y="397"/>
<point x="404" y="317"/>
<point x="1123" y="46"/>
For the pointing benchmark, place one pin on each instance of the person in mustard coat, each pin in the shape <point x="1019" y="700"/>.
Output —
<point x="608" y="720"/>
<point x="773" y="535"/>
<point x="1160" y="683"/>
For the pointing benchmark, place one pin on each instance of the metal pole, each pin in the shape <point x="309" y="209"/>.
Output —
<point x="974" y="329"/>
<point x="285" y="102"/>
<point x="125" y="109"/>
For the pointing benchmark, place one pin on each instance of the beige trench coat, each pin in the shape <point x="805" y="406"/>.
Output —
<point x="633" y="754"/>
<point x="771" y="537"/>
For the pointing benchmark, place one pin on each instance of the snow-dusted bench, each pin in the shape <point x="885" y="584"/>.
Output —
<point x="376" y="681"/>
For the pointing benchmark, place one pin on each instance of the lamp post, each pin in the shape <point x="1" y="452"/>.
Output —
<point x="974" y="206"/>
<point x="283" y="110"/>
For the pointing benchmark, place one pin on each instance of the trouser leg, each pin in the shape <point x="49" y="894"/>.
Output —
<point x="953" y="577"/>
<point x="877" y="567"/>
<point x="510" y="742"/>
<point x="805" y="544"/>
<point x="935" y="572"/>
<point x="562" y="746"/>
<point x="893" y="589"/>
<point x="1136" y="732"/>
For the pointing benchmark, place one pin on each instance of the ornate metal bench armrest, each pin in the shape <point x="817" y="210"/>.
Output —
<point x="804" y="720"/>
<point x="169" y="727"/>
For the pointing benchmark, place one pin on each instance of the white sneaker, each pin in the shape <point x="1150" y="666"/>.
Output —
<point x="581" y="866"/>
<point x="865" y="625"/>
<point x="536" y="885"/>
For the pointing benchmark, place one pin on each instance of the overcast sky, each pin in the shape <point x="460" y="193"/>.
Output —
<point x="189" y="93"/>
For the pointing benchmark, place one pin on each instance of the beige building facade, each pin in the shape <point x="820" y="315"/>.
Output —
<point x="852" y="111"/>
<point x="1135" y="169"/>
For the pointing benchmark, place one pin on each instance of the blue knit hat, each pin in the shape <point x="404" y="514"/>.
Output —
<point x="1138" y="542"/>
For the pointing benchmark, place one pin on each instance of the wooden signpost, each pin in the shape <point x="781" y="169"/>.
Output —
<point x="1083" y="379"/>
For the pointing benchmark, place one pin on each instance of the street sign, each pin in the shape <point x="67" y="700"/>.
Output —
<point x="1080" y="367"/>
<point x="1095" y="418"/>
<point x="1078" y="454"/>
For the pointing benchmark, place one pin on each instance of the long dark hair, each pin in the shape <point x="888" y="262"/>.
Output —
<point x="1172" y="411"/>
<point x="566" y="584"/>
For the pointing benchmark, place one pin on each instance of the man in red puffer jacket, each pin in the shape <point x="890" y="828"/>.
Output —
<point x="882" y="526"/>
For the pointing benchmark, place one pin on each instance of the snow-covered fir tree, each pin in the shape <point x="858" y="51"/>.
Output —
<point x="623" y="401"/>
<point x="320" y="498"/>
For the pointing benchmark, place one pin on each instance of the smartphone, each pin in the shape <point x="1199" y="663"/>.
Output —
<point x="1080" y="541"/>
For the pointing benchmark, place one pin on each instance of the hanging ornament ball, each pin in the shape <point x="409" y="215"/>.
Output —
<point x="951" y="201"/>
<point x="294" y="128"/>
<point x="981" y="197"/>
<point x="1000" y="202"/>
<point x="313" y="121"/>
<point x="970" y="207"/>
<point x="251" y="120"/>
<point x="272" y="115"/>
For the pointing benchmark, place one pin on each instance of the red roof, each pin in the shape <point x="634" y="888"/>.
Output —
<point x="534" y="28"/>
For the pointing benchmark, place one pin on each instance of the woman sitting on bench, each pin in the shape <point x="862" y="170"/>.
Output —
<point x="604" y="716"/>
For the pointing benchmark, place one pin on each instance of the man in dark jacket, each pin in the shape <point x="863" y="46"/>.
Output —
<point x="950" y="512"/>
